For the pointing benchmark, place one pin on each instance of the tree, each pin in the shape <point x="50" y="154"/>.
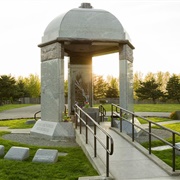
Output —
<point x="112" y="87"/>
<point x="173" y="88"/>
<point x="32" y="85"/>
<point x="21" y="88"/>
<point x="149" y="90"/>
<point x="138" y="76"/>
<point x="99" y="87"/>
<point x="8" y="88"/>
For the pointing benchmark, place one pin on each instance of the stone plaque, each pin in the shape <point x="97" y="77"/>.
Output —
<point x="17" y="153"/>
<point x="44" y="127"/>
<point x="46" y="155"/>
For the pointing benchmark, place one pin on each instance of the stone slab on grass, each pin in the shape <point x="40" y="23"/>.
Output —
<point x="17" y="153"/>
<point x="1" y="150"/>
<point x="46" y="156"/>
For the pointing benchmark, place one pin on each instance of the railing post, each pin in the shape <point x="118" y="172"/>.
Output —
<point x="149" y="137"/>
<point x="111" y="115"/>
<point x="133" y="127"/>
<point x="107" y="156"/>
<point x="95" y="141"/>
<point x="80" y="130"/>
<point x="86" y="130"/>
<point x="173" y="155"/>
<point x="121" y="120"/>
<point x="76" y="119"/>
<point x="76" y="116"/>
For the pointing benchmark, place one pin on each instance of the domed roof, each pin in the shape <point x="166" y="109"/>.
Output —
<point x="85" y="23"/>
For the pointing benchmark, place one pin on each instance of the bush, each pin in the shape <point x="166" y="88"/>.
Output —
<point x="175" y="115"/>
<point x="102" y="101"/>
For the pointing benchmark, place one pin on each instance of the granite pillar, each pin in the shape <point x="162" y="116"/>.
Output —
<point x="126" y="78"/>
<point x="52" y="95"/>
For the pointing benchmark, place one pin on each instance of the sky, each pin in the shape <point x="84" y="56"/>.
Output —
<point x="153" y="26"/>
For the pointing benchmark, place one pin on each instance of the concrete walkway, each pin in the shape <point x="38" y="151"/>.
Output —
<point x="127" y="162"/>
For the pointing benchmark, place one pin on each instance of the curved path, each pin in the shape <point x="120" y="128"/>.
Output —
<point x="17" y="113"/>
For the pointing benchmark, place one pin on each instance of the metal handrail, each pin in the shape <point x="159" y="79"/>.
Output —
<point x="35" y="117"/>
<point x="102" y="112"/>
<point x="108" y="146"/>
<point x="120" y="115"/>
<point x="35" y="114"/>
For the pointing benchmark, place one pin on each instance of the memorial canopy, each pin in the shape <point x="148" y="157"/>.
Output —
<point x="86" y="30"/>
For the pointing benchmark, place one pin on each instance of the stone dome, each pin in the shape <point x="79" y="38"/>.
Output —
<point x="85" y="23"/>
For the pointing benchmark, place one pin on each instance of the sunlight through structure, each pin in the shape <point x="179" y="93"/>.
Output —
<point x="81" y="33"/>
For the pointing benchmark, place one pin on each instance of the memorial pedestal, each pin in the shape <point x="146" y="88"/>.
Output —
<point x="53" y="130"/>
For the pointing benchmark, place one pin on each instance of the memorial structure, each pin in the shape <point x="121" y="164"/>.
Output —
<point x="80" y="34"/>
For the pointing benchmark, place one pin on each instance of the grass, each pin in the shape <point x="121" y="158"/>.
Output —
<point x="137" y="107"/>
<point x="16" y="124"/>
<point x="149" y="107"/>
<point x="166" y="155"/>
<point x="154" y="119"/>
<point x="156" y="107"/>
<point x="69" y="167"/>
<point x="12" y="106"/>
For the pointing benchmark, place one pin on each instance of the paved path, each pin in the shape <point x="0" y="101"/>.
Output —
<point x="29" y="111"/>
<point x="24" y="112"/>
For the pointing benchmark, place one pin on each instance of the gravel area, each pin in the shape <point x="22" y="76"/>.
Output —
<point x="144" y="137"/>
<point x="29" y="139"/>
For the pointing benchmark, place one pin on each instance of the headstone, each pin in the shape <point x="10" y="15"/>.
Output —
<point x="177" y="152"/>
<point x="127" y="126"/>
<point x="1" y="150"/>
<point x="17" y="153"/>
<point x="46" y="155"/>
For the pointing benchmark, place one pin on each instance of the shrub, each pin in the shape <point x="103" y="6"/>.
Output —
<point x="175" y="115"/>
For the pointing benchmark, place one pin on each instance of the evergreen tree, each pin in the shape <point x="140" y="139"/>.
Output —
<point x="112" y="87"/>
<point x="149" y="90"/>
<point x="8" y="88"/>
<point x="173" y="88"/>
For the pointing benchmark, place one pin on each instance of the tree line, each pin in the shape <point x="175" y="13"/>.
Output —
<point x="154" y="86"/>
<point x="12" y="89"/>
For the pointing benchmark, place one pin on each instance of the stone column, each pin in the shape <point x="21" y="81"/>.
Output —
<point x="52" y="82"/>
<point x="52" y="95"/>
<point x="126" y="77"/>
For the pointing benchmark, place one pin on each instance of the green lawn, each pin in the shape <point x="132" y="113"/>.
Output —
<point x="69" y="167"/>
<point x="149" y="107"/>
<point x="16" y="124"/>
<point x="166" y="155"/>
<point x="137" y="107"/>
<point x="13" y="106"/>
<point x="156" y="107"/>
